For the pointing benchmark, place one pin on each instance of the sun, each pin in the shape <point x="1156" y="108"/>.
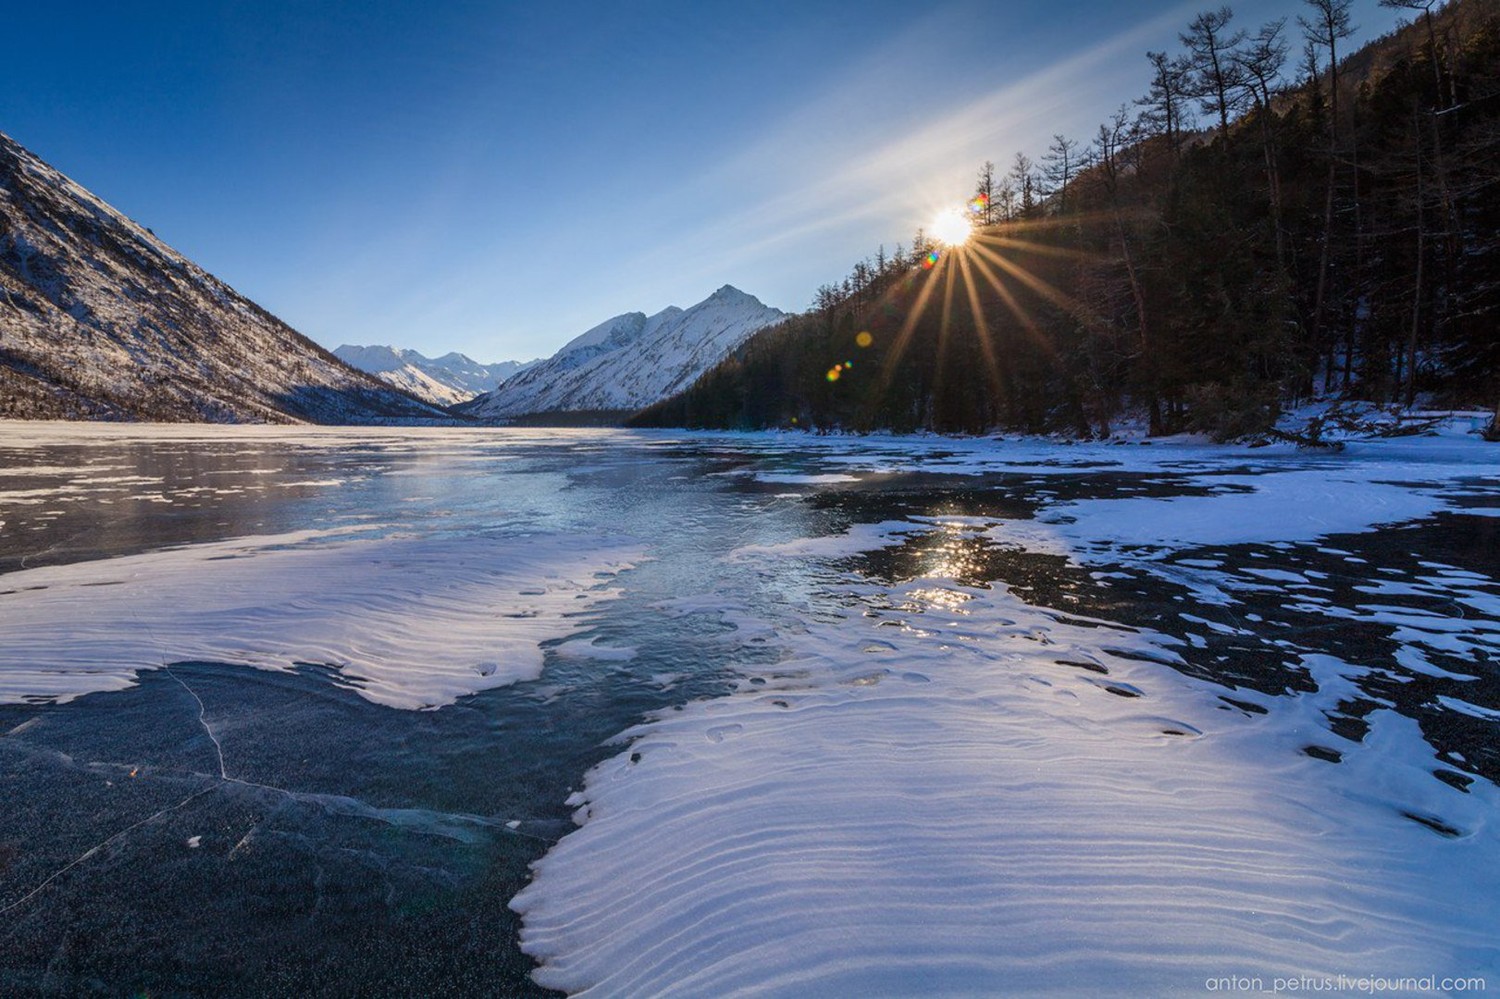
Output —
<point x="952" y="228"/>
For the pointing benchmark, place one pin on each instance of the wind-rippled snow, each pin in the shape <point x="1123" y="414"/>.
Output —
<point x="410" y="622"/>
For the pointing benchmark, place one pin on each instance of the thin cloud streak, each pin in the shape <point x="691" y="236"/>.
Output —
<point x="898" y="185"/>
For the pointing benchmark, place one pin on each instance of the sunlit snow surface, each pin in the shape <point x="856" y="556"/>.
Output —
<point x="910" y="716"/>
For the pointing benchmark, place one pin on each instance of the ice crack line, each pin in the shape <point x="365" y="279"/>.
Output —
<point x="54" y="546"/>
<point x="101" y="845"/>
<point x="202" y="720"/>
<point x="161" y="654"/>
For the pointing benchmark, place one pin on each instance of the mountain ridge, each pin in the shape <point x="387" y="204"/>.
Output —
<point x="631" y="360"/>
<point x="100" y="319"/>
<point x="447" y="380"/>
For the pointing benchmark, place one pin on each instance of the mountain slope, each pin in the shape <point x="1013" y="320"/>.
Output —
<point x="99" y="319"/>
<point x="632" y="360"/>
<point x="444" y="381"/>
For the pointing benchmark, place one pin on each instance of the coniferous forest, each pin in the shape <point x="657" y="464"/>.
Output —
<point x="1276" y="219"/>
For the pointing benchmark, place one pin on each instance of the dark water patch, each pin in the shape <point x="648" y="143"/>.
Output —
<point x="1434" y="823"/>
<point x="135" y="496"/>
<point x="1002" y="496"/>
<point x="1091" y="667"/>
<point x="1453" y="779"/>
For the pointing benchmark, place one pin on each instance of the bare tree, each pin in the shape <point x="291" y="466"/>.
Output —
<point x="920" y="245"/>
<point x="1110" y="146"/>
<point x="1023" y="176"/>
<point x="1260" y="63"/>
<point x="1326" y="26"/>
<point x="1416" y="297"/>
<point x="1005" y="199"/>
<point x="1166" y="103"/>
<point x="1442" y="101"/>
<point x="984" y="194"/>
<point x="1216" y="81"/>
<point x="1059" y="166"/>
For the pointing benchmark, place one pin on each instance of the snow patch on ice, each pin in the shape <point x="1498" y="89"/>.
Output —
<point x="411" y="622"/>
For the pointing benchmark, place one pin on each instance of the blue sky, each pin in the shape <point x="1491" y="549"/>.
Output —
<point x="495" y="178"/>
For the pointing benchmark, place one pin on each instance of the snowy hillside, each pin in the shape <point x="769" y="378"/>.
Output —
<point x="632" y="360"/>
<point x="446" y="380"/>
<point x="99" y="319"/>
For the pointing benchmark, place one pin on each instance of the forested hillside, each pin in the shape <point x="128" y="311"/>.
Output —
<point x="1274" y="219"/>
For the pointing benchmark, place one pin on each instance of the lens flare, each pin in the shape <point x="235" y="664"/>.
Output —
<point x="930" y="261"/>
<point x="952" y="228"/>
<point x="834" y="373"/>
<point x="863" y="338"/>
<point x="978" y="204"/>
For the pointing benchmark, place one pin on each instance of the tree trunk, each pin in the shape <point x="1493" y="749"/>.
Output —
<point x="1140" y="314"/>
<point x="1416" y="297"/>
<point x="1320" y="296"/>
<point x="1273" y="181"/>
<point x="1411" y="342"/>
<point x="1452" y="233"/>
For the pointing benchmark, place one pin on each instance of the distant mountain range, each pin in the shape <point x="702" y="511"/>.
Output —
<point x="630" y="361"/>
<point x="446" y="380"/>
<point x="99" y="319"/>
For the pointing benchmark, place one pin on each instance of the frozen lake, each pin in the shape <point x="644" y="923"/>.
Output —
<point x="465" y="712"/>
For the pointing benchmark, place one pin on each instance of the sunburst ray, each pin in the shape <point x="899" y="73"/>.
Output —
<point x="903" y="337"/>
<point x="1033" y="332"/>
<point x="982" y="330"/>
<point x="1059" y="298"/>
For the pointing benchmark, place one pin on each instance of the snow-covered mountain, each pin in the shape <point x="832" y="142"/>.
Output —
<point x="99" y="319"/>
<point x="632" y="360"/>
<point x="445" y="380"/>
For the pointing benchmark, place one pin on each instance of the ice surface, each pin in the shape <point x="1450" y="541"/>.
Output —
<point x="939" y="787"/>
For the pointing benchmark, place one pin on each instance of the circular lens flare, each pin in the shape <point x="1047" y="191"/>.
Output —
<point x="952" y="228"/>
